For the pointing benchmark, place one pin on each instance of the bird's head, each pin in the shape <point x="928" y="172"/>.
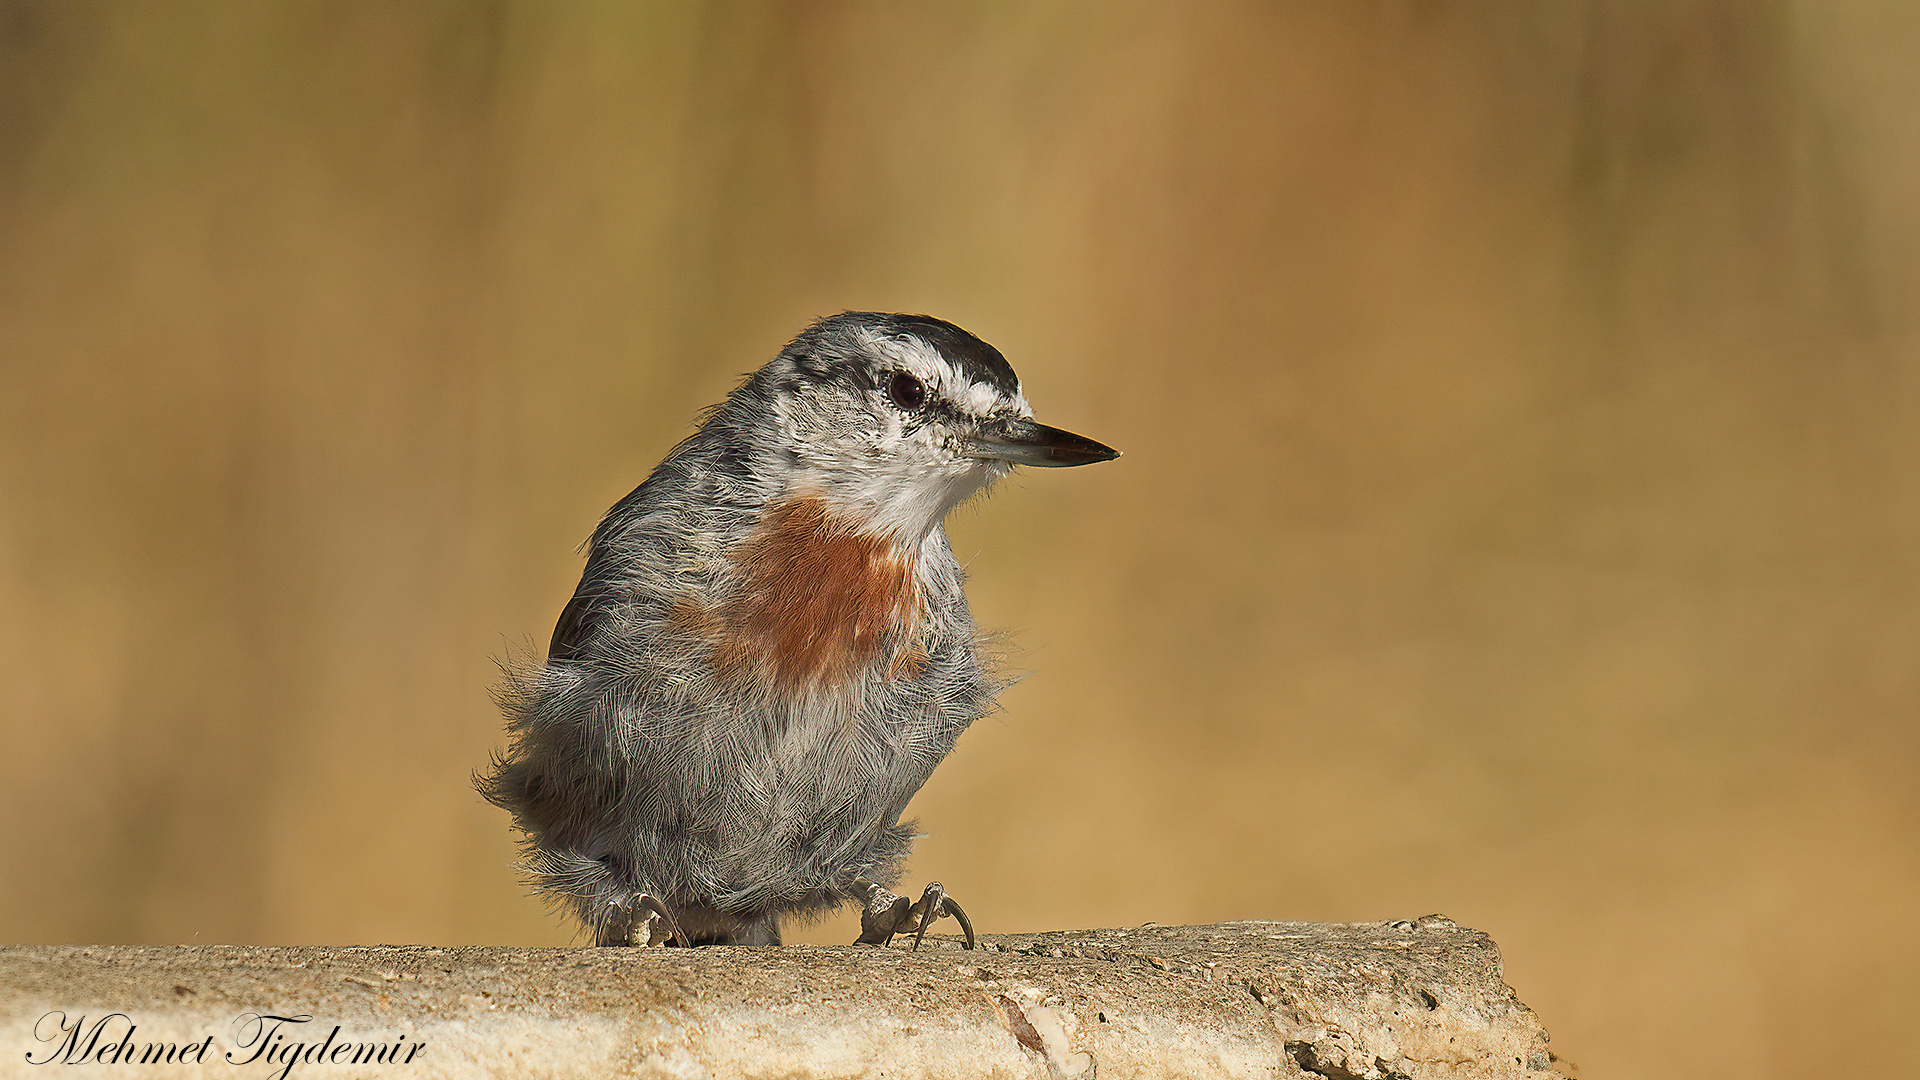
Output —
<point x="894" y="420"/>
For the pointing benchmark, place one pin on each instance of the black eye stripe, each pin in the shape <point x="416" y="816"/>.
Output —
<point x="907" y="392"/>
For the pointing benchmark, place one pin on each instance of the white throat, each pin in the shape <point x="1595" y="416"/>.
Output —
<point x="906" y="502"/>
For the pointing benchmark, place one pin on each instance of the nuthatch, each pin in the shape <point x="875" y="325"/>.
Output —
<point x="769" y="651"/>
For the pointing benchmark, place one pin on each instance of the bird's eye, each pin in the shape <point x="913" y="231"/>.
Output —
<point x="906" y="391"/>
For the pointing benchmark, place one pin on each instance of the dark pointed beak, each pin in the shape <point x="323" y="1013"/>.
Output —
<point x="1024" y="442"/>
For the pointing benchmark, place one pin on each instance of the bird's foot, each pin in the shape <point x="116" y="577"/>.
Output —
<point x="884" y="914"/>
<point x="640" y="921"/>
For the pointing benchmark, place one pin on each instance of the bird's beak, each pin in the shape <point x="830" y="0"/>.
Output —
<point x="1024" y="442"/>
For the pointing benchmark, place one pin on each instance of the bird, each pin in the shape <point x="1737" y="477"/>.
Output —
<point x="770" y="649"/>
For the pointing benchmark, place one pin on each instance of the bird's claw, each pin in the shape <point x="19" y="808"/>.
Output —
<point x="884" y="914"/>
<point x="638" y="921"/>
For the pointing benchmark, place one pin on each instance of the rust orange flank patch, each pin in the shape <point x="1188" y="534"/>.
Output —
<point x="818" y="604"/>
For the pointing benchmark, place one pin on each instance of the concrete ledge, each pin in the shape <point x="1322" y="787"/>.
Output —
<point x="1402" y="1000"/>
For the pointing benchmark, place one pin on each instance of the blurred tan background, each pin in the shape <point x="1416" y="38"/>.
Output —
<point x="1520" y="516"/>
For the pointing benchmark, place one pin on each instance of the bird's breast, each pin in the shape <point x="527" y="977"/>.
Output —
<point x="819" y="604"/>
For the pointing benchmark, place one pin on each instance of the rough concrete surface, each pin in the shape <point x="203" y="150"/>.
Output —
<point x="1383" y="1000"/>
